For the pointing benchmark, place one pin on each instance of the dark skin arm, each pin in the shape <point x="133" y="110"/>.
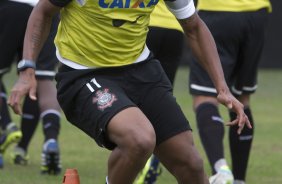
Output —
<point x="38" y="28"/>
<point x="204" y="49"/>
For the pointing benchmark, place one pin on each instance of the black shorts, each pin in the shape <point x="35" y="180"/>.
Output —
<point x="47" y="61"/>
<point x="167" y="46"/>
<point x="239" y="38"/>
<point x="90" y="98"/>
<point x="13" y="20"/>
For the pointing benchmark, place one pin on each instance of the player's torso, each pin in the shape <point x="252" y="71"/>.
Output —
<point x="101" y="29"/>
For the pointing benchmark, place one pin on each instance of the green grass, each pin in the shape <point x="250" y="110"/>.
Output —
<point x="79" y="151"/>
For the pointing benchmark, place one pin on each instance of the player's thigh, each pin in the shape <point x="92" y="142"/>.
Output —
<point x="131" y="128"/>
<point x="47" y="95"/>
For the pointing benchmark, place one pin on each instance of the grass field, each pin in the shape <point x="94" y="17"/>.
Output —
<point x="79" y="151"/>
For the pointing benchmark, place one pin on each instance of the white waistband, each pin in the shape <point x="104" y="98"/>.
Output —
<point x="144" y="55"/>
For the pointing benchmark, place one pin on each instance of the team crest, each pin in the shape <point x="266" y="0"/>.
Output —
<point x="104" y="99"/>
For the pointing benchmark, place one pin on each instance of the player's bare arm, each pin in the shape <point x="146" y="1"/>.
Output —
<point x="38" y="28"/>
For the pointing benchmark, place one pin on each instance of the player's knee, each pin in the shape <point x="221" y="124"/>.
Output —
<point x="197" y="164"/>
<point x="198" y="100"/>
<point x="141" y="145"/>
<point x="194" y="166"/>
<point x="188" y="167"/>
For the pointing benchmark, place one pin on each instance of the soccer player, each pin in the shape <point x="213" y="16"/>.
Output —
<point x="14" y="25"/>
<point x="238" y="30"/>
<point x="111" y="87"/>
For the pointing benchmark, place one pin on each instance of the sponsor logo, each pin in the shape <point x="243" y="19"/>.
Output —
<point x="127" y="3"/>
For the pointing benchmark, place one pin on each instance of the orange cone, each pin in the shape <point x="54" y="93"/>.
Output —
<point x="71" y="177"/>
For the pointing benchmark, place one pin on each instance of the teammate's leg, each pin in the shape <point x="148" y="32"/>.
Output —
<point x="209" y="121"/>
<point x="13" y="34"/>
<point x="10" y="131"/>
<point x="29" y="122"/>
<point x="240" y="145"/>
<point x="5" y="114"/>
<point x="211" y="131"/>
<point x="49" y="107"/>
<point x="50" y="115"/>
<point x="246" y="84"/>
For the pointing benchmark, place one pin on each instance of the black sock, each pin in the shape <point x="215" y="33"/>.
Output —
<point x="211" y="132"/>
<point x="29" y="121"/>
<point x="5" y="114"/>
<point x="240" y="146"/>
<point x="51" y="124"/>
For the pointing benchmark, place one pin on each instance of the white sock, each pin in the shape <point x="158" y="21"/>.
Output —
<point x="238" y="182"/>
<point x="220" y="163"/>
<point x="107" y="180"/>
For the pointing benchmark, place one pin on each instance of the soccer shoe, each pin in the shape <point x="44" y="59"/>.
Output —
<point x="51" y="158"/>
<point x="1" y="161"/>
<point x="12" y="134"/>
<point x="150" y="172"/>
<point x="19" y="156"/>
<point x="223" y="176"/>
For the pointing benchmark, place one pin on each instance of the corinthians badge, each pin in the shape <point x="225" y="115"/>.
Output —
<point x="104" y="99"/>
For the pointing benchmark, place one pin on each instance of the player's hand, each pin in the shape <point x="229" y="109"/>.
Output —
<point x="26" y="84"/>
<point x="227" y="99"/>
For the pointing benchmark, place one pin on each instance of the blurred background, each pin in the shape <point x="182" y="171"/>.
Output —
<point x="272" y="53"/>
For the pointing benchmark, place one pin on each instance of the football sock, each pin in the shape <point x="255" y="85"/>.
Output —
<point x="51" y="123"/>
<point x="238" y="182"/>
<point x="5" y="114"/>
<point x="240" y="146"/>
<point x="211" y="131"/>
<point x="29" y="121"/>
<point x="221" y="163"/>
